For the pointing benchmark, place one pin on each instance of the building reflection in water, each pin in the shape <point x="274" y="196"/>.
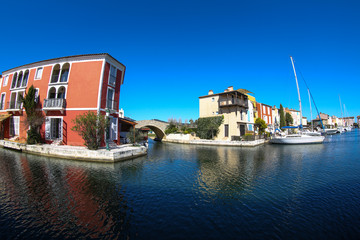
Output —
<point x="65" y="197"/>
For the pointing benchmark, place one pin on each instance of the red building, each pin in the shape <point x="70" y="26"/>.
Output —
<point x="66" y="87"/>
<point x="264" y="112"/>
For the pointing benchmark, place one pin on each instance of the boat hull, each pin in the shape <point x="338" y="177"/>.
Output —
<point x="297" y="140"/>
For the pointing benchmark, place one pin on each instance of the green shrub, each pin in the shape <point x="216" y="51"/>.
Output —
<point x="208" y="127"/>
<point x="249" y="137"/>
<point x="91" y="128"/>
<point x="171" y="128"/>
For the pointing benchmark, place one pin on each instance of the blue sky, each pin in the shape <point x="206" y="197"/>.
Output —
<point x="175" y="51"/>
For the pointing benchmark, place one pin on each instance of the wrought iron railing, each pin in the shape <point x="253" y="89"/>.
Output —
<point x="54" y="103"/>
<point x="231" y="102"/>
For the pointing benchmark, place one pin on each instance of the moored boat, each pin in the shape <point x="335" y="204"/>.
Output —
<point x="301" y="137"/>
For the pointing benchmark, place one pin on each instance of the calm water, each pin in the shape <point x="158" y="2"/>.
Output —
<point x="187" y="192"/>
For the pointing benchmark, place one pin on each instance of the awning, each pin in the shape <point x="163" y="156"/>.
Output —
<point x="4" y="116"/>
<point x="127" y="121"/>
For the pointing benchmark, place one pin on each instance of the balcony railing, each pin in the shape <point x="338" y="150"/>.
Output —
<point x="233" y="102"/>
<point x="111" y="105"/>
<point x="54" y="103"/>
<point x="14" y="105"/>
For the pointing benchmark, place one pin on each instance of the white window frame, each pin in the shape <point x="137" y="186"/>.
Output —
<point x="5" y="81"/>
<point x="110" y="75"/>
<point x="16" y="125"/>
<point x="36" y="77"/>
<point x="2" y="104"/>
<point x="113" y="97"/>
<point x="48" y="128"/>
<point x="114" y="128"/>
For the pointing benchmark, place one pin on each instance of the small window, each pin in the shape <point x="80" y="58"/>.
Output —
<point x="55" y="74"/>
<point x="19" y="80"/>
<point x="5" y="82"/>
<point x="13" y="84"/>
<point x="112" y="77"/>
<point x="2" y="101"/>
<point x="52" y="93"/>
<point x="213" y="99"/>
<point x="65" y="72"/>
<point x="39" y="72"/>
<point x="226" y="130"/>
<point x="36" y="95"/>
<point x="25" y="80"/>
<point x="110" y="99"/>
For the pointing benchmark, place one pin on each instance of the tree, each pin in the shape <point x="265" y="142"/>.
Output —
<point x="171" y="128"/>
<point x="208" y="128"/>
<point x="34" y="119"/>
<point x="282" y="117"/>
<point x="261" y="125"/>
<point x="91" y="128"/>
<point x="288" y="119"/>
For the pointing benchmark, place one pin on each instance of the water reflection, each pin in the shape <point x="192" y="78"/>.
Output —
<point x="62" y="198"/>
<point x="186" y="192"/>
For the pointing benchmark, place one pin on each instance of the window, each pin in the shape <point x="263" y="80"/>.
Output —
<point x="55" y="74"/>
<point x="65" y="72"/>
<point x="25" y="80"/>
<point x="110" y="98"/>
<point x="264" y="110"/>
<point x="36" y="95"/>
<point x="14" y="126"/>
<point x="2" y="101"/>
<point x="212" y="99"/>
<point x="226" y="130"/>
<point x="111" y="133"/>
<point x="5" y="82"/>
<point x="39" y="72"/>
<point x="52" y="93"/>
<point x="53" y="128"/>
<point x="13" y="84"/>
<point x="112" y="77"/>
<point x="19" y="80"/>
<point x="61" y="92"/>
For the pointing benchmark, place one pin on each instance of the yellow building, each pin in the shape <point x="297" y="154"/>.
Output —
<point x="233" y="105"/>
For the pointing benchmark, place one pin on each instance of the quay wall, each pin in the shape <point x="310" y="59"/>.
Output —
<point x="216" y="142"/>
<point x="79" y="153"/>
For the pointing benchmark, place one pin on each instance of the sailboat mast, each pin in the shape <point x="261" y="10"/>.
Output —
<point x="297" y="85"/>
<point x="342" y="115"/>
<point x="312" y="123"/>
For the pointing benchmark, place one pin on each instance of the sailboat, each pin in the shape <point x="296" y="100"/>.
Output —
<point x="299" y="138"/>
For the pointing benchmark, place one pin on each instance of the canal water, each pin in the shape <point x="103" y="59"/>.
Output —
<point x="187" y="192"/>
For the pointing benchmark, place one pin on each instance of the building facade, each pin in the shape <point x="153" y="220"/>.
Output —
<point x="265" y="113"/>
<point x="65" y="87"/>
<point x="233" y="105"/>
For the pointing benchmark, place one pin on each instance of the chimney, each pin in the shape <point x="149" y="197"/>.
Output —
<point x="210" y="92"/>
<point x="230" y="88"/>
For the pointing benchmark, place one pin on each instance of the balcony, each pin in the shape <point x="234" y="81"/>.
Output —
<point x="111" y="105"/>
<point x="233" y="102"/>
<point x="14" y="106"/>
<point x="54" y="104"/>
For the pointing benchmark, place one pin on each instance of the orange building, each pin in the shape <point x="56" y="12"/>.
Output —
<point x="265" y="112"/>
<point x="65" y="87"/>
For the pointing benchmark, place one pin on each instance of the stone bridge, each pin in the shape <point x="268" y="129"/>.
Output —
<point x="157" y="126"/>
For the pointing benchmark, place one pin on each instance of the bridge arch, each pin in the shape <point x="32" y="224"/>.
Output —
<point x="155" y="125"/>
